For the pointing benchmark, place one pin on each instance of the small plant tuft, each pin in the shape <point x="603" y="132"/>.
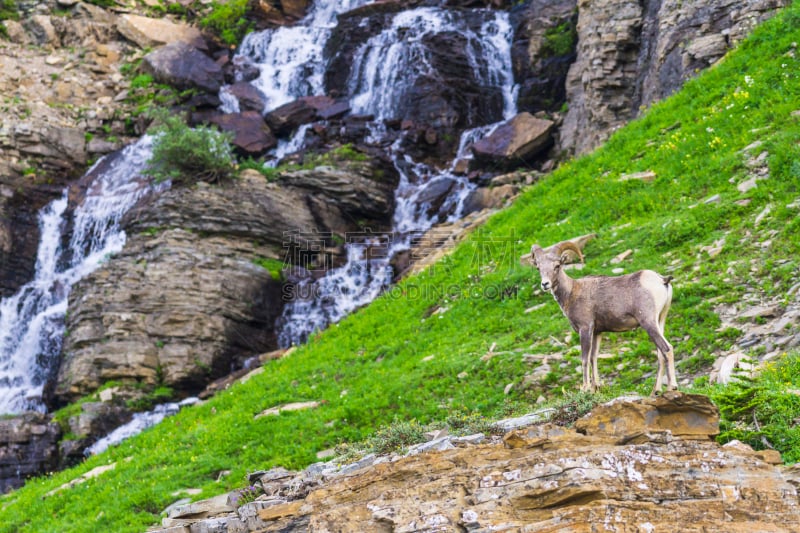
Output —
<point x="182" y="153"/>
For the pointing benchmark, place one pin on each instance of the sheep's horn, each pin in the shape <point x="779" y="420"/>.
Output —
<point x="568" y="246"/>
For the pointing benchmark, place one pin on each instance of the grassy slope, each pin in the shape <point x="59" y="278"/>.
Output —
<point x="375" y="366"/>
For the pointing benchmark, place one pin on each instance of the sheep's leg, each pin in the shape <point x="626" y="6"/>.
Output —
<point x="586" y="354"/>
<point x="596" y="383"/>
<point x="660" y="376"/>
<point x="664" y="350"/>
<point x="669" y="355"/>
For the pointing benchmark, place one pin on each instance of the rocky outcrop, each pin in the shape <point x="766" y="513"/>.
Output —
<point x="63" y="106"/>
<point x="184" y="303"/>
<point x="634" y="464"/>
<point x="28" y="447"/>
<point x="631" y="54"/>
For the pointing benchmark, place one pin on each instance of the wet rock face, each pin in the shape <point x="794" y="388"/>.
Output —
<point x="28" y="447"/>
<point x="184" y="303"/>
<point x="631" y="54"/>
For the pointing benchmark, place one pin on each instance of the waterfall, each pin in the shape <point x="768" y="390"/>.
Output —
<point x="32" y="320"/>
<point x="290" y="58"/>
<point x="383" y="69"/>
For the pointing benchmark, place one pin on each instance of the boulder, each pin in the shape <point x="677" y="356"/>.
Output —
<point x="514" y="143"/>
<point x="185" y="67"/>
<point x="28" y="447"/>
<point x="148" y="32"/>
<point x="250" y="98"/>
<point x="251" y="134"/>
<point x="288" y="117"/>
<point x="489" y="197"/>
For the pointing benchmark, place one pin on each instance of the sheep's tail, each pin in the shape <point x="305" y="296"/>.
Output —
<point x="667" y="280"/>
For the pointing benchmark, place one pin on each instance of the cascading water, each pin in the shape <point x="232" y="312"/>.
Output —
<point x="384" y="68"/>
<point x="387" y="64"/>
<point x="290" y="58"/>
<point x="32" y="320"/>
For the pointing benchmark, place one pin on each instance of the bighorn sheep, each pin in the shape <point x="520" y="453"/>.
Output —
<point x="597" y="304"/>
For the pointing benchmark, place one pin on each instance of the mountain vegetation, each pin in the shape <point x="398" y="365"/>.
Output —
<point x="704" y="186"/>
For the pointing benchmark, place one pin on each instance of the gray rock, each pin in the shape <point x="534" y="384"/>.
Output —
<point x="185" y="67"/>
<point x="28" y="447"/>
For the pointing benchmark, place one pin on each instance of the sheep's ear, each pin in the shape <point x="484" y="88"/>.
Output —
<point x="565" y="258"/>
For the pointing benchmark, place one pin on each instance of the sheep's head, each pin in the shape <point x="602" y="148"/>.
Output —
<point x="550" y="260"/>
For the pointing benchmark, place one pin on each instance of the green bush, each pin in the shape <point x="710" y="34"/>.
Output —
<point x="181" y="152"/>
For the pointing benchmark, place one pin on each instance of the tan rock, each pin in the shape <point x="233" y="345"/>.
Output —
<point x="280" y="511"/>
<point x="553" y="479"/>
<point x="689" y="416"/>
<point x="148" y="32"/>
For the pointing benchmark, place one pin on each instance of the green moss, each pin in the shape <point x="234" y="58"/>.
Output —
<point x="228" y="20"/>
<point x="560" y="40"/>
<point x="273" y="266"/>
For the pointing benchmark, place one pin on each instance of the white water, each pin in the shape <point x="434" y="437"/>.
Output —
<point x="32" y="320"/>
<point x="383" y="69"/>
<point x="386" y="66"/>
<point x="139" y="423"/>
<point x="290" y="57"/>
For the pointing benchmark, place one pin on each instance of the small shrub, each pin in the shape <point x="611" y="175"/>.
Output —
<point x="396" y="437"/>
<point x="142" y="81"/>
<point x="246" y="495"/>
<point x="274" y="266"/>
<point x="181" y="152"/>
<point x="573" y="406"/>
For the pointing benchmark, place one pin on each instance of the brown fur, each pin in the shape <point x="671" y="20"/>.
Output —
<point x="598" y="304"/>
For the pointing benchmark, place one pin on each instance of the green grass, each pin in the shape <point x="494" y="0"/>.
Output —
<point x="397" y="361"/>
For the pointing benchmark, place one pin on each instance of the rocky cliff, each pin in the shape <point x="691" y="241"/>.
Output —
<point x="632" y="465"/>
<point x="186" y="301"/>
<point x="631" y="54"/>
